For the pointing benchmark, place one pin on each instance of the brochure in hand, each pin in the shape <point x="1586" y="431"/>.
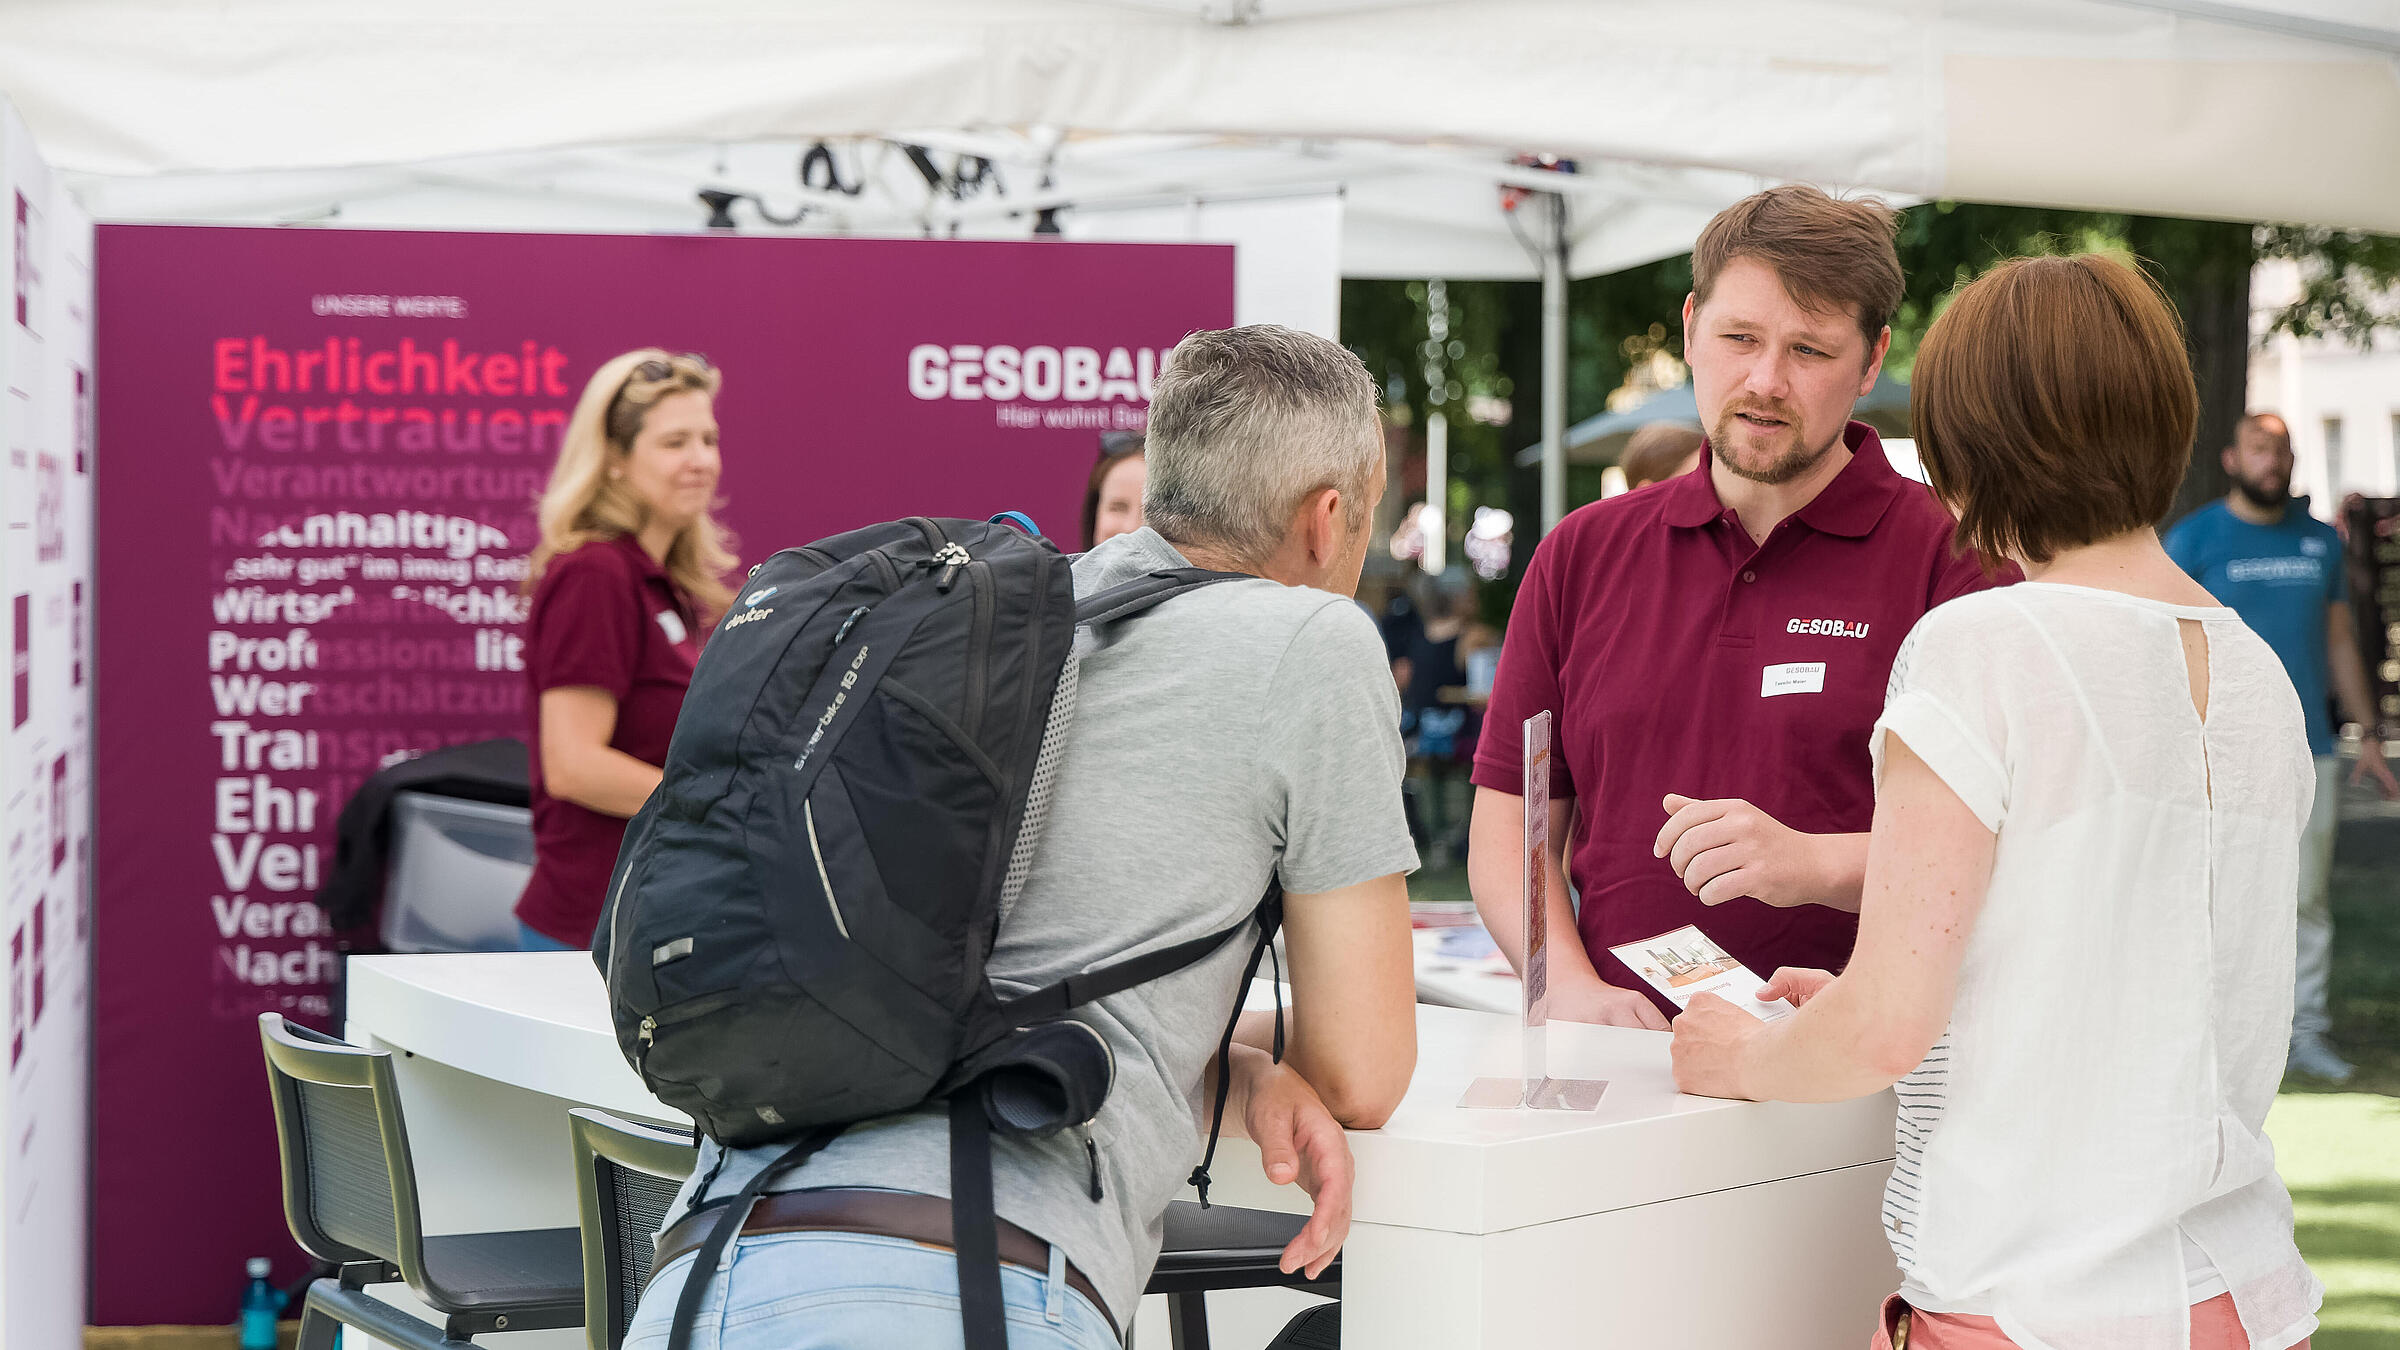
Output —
<point x="1686" y="962"/>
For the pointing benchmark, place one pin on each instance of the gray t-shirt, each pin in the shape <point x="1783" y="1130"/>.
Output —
<point x="1238" y="731"/>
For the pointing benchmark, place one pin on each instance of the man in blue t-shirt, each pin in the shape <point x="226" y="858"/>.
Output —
<point x="2281" y="570"/>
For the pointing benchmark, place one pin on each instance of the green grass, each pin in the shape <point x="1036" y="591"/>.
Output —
<point x="2340" y="1154"/>
<point x="2339" y="1148"/>
<point x="2366" y="948"/>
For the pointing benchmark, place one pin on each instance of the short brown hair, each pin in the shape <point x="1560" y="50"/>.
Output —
<point x="1657" y="450"/>
<point x="1829" y="253"/>
<point x="2054" y="405"/>
<point x="1115" y="448"/>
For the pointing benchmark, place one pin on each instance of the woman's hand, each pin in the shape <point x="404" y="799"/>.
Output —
<point x="1711" y="1039"/>
<point x="1795" y="985"/>
<point x="1298" y="1141"/>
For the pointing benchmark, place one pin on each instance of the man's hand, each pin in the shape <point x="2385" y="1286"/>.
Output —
<point x="1605" y="1004"/>
<point x="1727" y="849"/>
<point x="1298" y="1141"/>
<point x="1795" y="985"/>
<point x="2371" y="764"/>
<point x="1710" y="1039"/>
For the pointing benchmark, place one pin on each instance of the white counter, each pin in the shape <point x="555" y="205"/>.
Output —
<point x="1482" y="982"/>
<point x="1659" y="1219"/>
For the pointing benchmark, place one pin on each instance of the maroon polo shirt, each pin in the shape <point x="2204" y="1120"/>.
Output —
<point x="606" y="616"/>
<point x="1678" y="656"/>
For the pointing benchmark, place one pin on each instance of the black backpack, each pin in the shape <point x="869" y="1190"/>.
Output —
<point x="795" y="934"/>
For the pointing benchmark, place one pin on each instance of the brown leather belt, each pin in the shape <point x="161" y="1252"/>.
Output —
<point x="894" y="1214"/>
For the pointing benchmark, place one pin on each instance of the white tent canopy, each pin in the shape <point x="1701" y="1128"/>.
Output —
<point x="601" y="114"/>
<point x="1408" y="211"/>
<point x="2274" y="109"/>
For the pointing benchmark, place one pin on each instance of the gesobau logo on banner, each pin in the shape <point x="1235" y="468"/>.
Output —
<point x="1003" y="373"/>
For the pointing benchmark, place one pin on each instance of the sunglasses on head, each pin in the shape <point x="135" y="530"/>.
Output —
<point x="1114" y="443"/>
<point x="660" y="368"/>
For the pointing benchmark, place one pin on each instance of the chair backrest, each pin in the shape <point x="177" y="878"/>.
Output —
<point x="627" y="1175"/>
<point x="349" y="1187"/>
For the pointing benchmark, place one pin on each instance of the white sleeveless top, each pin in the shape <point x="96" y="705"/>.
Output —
<point x="2096" y="1108"/>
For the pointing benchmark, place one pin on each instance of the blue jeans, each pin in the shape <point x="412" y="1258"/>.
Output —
<point x="849" y="1291"/>
<point x="535" y="940"/>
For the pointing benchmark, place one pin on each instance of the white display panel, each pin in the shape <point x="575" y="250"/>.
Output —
<point x="46" y="460"/>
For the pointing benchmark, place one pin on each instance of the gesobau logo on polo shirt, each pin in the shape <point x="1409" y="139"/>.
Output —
<point x="1826" y="628"/>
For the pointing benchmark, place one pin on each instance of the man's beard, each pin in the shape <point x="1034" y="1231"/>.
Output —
<point x="1792" y="463"/>
<point x="2264" y="497"/>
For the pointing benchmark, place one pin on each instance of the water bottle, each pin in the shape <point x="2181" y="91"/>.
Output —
<point x="260" y="1304"/>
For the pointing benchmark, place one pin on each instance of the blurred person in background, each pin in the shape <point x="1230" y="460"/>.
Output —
<point x="628" y="578"/>
<point x="2280" y="568"/>
<point x="1112" y="499"/>
<point x="1660" y="451"/>
<point x="2075" y="943"/>
<point x="1438" y="716"/>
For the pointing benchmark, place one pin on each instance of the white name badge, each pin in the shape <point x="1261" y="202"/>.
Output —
<point x="1800" y="677"/>
<point x="672" y="623"/>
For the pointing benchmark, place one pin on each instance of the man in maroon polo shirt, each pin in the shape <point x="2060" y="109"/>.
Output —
<point x="1716" y="647"/>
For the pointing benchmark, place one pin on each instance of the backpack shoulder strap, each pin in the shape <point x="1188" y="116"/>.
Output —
<point x="1092" y="985"/>
<point x="975" y="1225"/>
<point x="1128" y="598"/>
<point x="728" y="1226"/>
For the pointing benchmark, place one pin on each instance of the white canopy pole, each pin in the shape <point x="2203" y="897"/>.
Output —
<point x="1435" y="519"/>
<point x="1554" y="362"/>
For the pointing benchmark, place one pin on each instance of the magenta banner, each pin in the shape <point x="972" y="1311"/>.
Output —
<point x="319" y="453"/>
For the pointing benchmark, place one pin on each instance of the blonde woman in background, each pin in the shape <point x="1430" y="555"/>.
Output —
<point x="626" y="582"/>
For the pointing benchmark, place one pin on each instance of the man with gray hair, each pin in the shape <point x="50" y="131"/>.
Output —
<point x="1248" y="424"/>
<point x="1239" y="733"/>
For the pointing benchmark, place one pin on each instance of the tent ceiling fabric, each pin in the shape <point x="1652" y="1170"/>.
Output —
<point x="134" y="86"/>
<point x="540" y="112"/>
<point x="1407" y="211"/>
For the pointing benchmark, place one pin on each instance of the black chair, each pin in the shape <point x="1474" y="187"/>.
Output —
<point x="350" y="1195"/>
<point x="1226" y="1248"/>
<point x="1317" y="1328"/>
<point x="627" y="1175"/>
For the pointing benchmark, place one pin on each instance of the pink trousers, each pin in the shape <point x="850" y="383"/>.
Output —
<point x="2215" y="1326"/>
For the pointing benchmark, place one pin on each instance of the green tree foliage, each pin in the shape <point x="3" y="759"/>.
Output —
<point x="2346" y="277"/>
<point x="1495" y="333"/>
<point x="1386" y="323"/>
<point x="2202" y="265"/>
<point x="1618" y="320"/>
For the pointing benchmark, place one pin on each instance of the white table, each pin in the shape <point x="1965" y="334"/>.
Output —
<point x="1659" y="1219"/>
<point x="1483" y="984"/>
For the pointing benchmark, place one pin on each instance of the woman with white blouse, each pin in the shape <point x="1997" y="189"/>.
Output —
<point x="2075" y="942"/>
